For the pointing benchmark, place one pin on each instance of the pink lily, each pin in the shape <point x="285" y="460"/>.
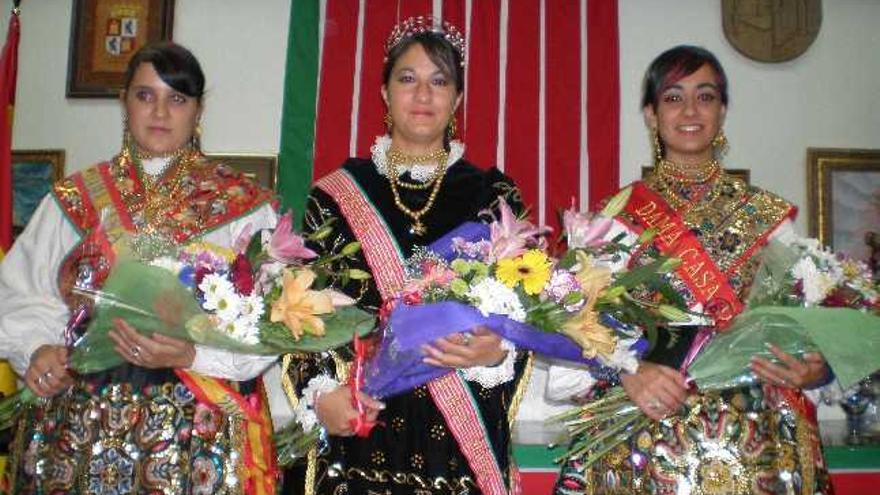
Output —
<point x="286" y="245"/>
<point x="583" y="230"/>
<point x="511" y="236"/>
<point x="243" y="239"/>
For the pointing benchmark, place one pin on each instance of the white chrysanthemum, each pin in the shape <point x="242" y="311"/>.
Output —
<point x="241" y="330"/>
<point x="252" y="308"/>
<point x="493" y="297"/>
<point x="172" y="265"/>
<point x="815" y="284"/>
<point x="220" y="297"/>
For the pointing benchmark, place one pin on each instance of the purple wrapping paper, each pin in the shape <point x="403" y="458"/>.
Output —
<point x="397" y="365"/>
<point x="469" y="231"/>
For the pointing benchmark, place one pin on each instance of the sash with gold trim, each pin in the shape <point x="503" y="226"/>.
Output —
<point x="92" y="198"/>
<point x="450" y="393"/>
<point x="698" y="271"/>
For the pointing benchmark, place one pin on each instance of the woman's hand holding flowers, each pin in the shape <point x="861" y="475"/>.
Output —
<point x="657" y="390"/>
<point x="47" y="373"/>
<point x="792" y="372"/>
<point x="482" y="347"/>
<point x="337" y="413"/>
<point x="158" y="351"/>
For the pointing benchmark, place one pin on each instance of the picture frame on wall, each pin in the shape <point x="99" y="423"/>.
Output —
<point x="742" y="173"/>
<point x="33" y="173"/>
<point x="262" y="168"/>
<point x="104" y="36"/>
<point x="843" y="193"/>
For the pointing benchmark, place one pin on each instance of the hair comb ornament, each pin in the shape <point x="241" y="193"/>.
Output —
<point x="412" y="26"/>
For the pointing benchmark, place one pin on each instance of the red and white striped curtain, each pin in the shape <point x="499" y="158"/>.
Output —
<point x="541" y="98"/>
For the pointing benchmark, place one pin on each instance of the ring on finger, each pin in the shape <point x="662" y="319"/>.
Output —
<point x="466" y="339"/>
<point x="41" y="379"/>
<point x="136" y="351"/>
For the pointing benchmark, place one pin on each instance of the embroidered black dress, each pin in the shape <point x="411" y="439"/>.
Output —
<point x="412" y="450"/>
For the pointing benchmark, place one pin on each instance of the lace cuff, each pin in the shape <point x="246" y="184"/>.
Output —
<point x="492" y="376"/>
<point x="304" y="412"/>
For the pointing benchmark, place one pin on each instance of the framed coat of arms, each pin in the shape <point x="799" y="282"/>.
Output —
<point x="104" y="36"/>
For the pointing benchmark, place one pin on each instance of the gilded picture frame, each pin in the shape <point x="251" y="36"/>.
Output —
<point x="33" y="173"/>
<point x="843" y="193"/>
<point x="263" y="168"/>
<point x="104" y="36"/>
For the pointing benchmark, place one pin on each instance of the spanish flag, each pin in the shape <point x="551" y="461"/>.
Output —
<point x="8" y="73"/>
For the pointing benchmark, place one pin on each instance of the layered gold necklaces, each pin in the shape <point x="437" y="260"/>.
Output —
<point x="693" y="174"/>
<point x="162" y="193"/>
<point x="684" y="186"/>
<point x="396" y="159"/>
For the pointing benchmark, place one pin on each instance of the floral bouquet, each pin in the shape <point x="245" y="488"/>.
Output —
<point x="500" y="277"/>
<point x="803" y="299"/>
<point x="257" y="298"/>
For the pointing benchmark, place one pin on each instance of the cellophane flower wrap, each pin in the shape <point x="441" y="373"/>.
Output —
<point x="803" y="299"/>
<point x="263" y="296"/>
<point x="502" y="277"/>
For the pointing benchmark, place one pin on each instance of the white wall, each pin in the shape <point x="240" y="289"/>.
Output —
<point x="829" y="96"/>
<point x="241" y="46"/>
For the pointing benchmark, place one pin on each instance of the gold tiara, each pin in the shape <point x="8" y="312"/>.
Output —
<point x="415" y="25"/>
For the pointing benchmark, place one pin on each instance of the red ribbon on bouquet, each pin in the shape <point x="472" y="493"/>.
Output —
<point x="360" y="425"/>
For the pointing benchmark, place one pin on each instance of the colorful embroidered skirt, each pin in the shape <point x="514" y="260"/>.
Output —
<point x="730" y="443"/>
<point x="104" y="437"/>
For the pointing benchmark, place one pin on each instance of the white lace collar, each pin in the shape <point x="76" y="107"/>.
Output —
<point x="417" y="172"/>
<point x="155" y="166"/>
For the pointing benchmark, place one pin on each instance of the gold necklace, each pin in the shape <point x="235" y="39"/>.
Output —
<point x="161" y="194"/>
<point x="436" y="181"/>
<point x="396" y="159"/>
<point x="681" y="173"/>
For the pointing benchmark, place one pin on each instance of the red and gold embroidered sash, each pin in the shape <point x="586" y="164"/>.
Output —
<point x="698" y="271"/>
<point x="95" y="201"/>
<point x="450" y="393"/>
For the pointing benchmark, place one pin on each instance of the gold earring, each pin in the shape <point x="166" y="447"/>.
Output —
<point x="389" y="122"/>
<point x="720" y="143"/>
<point x="658" y="146"/>
<point x="127" y="140"/>
<point x="452" y="128"/>
<point x="195" y="142"/>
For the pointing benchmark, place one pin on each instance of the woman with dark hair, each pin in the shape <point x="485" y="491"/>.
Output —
<point x="451" y="435"/>
<point x="755" y="439"/>
<point x="146" y="426"/>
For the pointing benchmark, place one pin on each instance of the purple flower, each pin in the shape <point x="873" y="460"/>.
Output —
<point x="287" y="246"/>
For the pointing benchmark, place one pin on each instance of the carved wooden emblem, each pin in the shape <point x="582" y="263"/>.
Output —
<point x="771" y="30"/>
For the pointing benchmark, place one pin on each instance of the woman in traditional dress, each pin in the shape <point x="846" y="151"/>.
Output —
<point x="152" y="424"/>
<point x="757" y="439"/>
<point x="452" y="435"/>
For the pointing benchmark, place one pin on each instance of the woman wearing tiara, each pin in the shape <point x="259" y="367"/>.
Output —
<point x="452" y="435"/>
<point x="144" y="426"/>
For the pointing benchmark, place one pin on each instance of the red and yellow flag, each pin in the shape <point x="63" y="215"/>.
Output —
<point x="8" y="76"/>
